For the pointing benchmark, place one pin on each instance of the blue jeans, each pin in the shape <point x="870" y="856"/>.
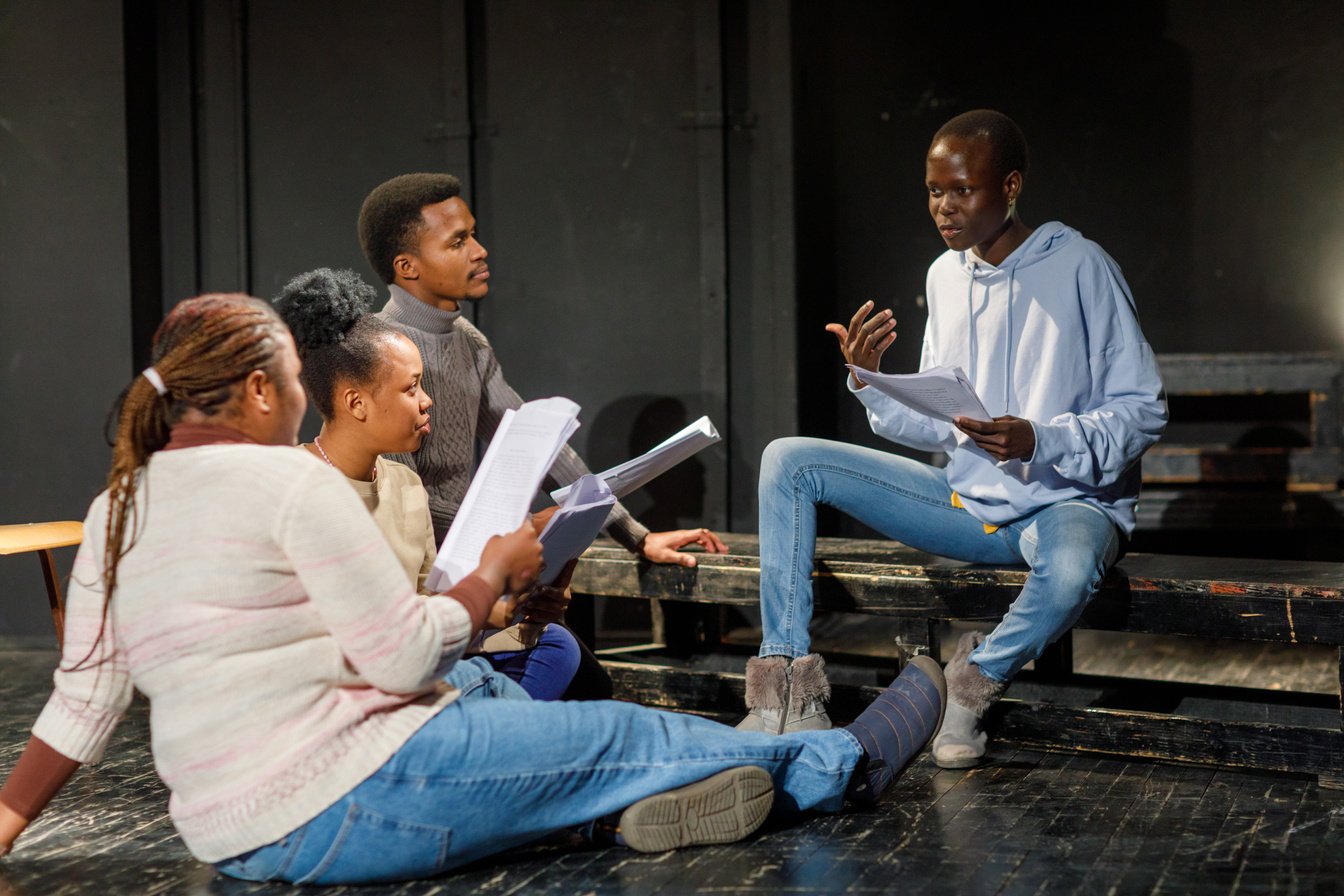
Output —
<point x="494" y="770"/>
<point x="545" y="670"/>
<point x="476" y="677"/>
<point x="1068" y="545"/>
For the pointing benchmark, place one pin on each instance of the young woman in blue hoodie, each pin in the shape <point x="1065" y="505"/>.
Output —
<point x="1043" y="323"/>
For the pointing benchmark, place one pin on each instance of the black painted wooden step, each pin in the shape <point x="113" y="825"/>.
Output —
<point x="1217" y="597"/>
<point x="1186" y="723"/>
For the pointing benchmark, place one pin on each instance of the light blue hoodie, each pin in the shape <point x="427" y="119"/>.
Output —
<point x="1050" y="335"/>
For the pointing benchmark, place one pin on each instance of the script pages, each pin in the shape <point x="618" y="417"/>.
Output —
<point x="568" y="533"/>
<point x="939" y="392"/>
<point x="574" y="524"/>
<point x="525" y="446"/>
<point x="624" y="478"/>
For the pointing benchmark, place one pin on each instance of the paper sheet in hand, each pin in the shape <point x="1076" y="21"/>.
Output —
<point x="574" y="524"/>
<point x="624" y="478"/>
<point x="939" y="392"/>
<point x="525" y="446"/>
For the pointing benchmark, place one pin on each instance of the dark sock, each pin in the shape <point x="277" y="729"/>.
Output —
<point x="605" y="831"/>
<point x="894" y="728"/>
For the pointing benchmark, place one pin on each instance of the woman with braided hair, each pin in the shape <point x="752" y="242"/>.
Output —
<point x="305" y="711"/>
<point x="203" y="524"/>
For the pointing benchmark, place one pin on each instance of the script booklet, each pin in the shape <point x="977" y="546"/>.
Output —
<point x="499" y="498"/>
<point x="574" y="524"/>
<point x="568" y="533"/>
<point x="939" y="392"/>
<point x="623" y="479"/>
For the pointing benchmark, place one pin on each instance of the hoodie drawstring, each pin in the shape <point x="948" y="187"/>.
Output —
<point x="1008" y="349"/>
<point x="970" y="318"/>
<point x="973" y="344"/>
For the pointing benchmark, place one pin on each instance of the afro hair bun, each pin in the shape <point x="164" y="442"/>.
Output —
<point x="321" y="306"/>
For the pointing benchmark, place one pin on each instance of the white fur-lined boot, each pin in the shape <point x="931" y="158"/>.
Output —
<point x="962" y="740"/>
<point x="785" y="696"/>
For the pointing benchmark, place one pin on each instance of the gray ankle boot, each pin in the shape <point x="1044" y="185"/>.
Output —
<point x="962" y="740"/>
<point x="785" y="696"/>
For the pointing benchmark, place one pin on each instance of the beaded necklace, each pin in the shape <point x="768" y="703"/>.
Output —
<point x="318" y="445"/>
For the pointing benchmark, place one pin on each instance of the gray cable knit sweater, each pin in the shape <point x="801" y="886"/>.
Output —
<point x="470" y="396"/>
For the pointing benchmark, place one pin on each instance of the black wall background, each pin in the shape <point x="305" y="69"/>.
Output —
<point x="677" y="194"/>
<point x="65" y="321"/>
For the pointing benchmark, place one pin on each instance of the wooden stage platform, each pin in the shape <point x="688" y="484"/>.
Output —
<point x="1028" y="822"/>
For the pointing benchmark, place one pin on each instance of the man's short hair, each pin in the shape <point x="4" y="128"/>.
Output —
<point x="1008" y="145"/>
<point x="390" y="219"/>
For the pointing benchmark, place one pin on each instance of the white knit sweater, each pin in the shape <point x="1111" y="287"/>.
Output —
<point x="285" y="655"/>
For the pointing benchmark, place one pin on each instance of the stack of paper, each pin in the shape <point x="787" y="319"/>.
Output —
<point x="624" y="478"/>
<point x="574" y="524"/>
<point x="523" y="449"/>
<point x="500" y="495"/>
<point x="939" y="392"/>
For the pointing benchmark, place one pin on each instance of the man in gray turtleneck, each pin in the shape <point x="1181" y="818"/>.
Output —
<point x="420" y="237"/>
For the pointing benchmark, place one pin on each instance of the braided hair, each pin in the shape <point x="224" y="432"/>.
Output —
<point x="201" y="351"/>
<point x="337" y="338"/>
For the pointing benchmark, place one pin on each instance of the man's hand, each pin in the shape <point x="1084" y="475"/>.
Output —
<point x="665" y="547"/>
<point x="865" y="339"/>
<point x="1003" y="438"/>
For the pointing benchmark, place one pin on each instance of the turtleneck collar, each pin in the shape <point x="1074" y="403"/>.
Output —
<point x="194" y="435"/>
<point x="409" y="311"/>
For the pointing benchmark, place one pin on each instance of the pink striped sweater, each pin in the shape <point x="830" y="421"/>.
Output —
<point x="284" y="653"/>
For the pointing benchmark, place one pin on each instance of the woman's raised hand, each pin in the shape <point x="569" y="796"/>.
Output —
<point x="866" y="338"/>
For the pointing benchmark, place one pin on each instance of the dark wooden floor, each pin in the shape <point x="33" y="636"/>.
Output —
<point x="1029" y="822"/>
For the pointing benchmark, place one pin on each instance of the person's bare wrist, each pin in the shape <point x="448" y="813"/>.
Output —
<point x="496" y="578"/>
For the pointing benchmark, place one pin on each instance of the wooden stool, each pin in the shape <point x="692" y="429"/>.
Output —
<point x="42" y="537"/>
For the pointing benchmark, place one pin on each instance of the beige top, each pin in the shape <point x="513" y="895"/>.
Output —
<point x="398" y="503"/>
<point x="400" y="506"/>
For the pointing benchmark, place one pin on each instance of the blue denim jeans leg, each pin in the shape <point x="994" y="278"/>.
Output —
<point x="485" y="775"/>
<point x="544" y="670"/>
<point x="476" y="678"/>
<point x="1068" y="545"/>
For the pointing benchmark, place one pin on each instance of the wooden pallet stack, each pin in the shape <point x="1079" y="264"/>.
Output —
<point x="1291" y="603"/>
<point x="1251" y="463"/>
